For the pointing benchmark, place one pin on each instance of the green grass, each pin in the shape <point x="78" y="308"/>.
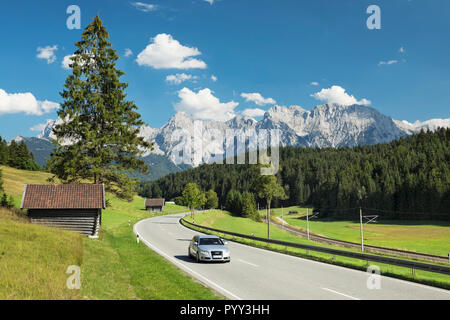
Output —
<point x="432" y="237"/>
<point x="14" y="181"/>
<point x="34" y="259"/>
<point x="225" y="221"/>
<point x="138" y="272"/>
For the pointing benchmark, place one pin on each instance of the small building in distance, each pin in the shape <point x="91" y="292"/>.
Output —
<point x="73" y="207"/>
<point x="155" y="205"/>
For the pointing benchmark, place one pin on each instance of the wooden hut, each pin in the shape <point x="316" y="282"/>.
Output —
<point x="69" y="206"/>
<point x="155" y="205"/>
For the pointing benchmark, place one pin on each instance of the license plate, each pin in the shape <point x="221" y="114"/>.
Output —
<point x="214" y="257"/>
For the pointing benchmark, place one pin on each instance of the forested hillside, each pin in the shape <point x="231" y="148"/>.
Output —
<point x="17" y="155"/>
<point x="406" y="179"/>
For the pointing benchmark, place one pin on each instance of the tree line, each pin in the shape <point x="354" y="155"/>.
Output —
<point x="408" y="178"/>
<point x="17" y="155"/>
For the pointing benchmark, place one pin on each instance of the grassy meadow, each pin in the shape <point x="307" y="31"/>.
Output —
<point x="34" y="259"/>
<point x="225" y="221"/>
<point x="432" y="237"/>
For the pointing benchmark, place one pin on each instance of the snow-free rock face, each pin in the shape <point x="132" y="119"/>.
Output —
<point x="328" y="125"/>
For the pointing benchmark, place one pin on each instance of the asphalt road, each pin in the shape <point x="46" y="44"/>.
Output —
<point x="261" y="274"/>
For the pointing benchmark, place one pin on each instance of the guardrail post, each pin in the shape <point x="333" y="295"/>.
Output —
<point x="334" y="258"/>
<point x="413" y="271"/>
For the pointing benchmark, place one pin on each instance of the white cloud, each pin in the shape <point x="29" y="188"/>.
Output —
<point x="204" y="105"/>
<point x="47" y="53"/>
<point x="213" y="78"/>
<point x="314" y="83"/>
<point x="167" y="53"/>
<point x="210" y="1"/>
<point x="387" y="62"/>
<point x="256" y="112"/>
<point x="144" y="7"/>
<point x="24" y="102"/>
<point x="337" y="94"/>
<point x="257" y="98"/>
<point x="128" y="53"/>
<point x="179" y="78"/>
<point x="401" y="50"/>
<point x="38" y="127"/>
<point x="67" y="61"/>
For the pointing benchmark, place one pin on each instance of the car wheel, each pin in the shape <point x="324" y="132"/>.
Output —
<point x="198" y="257"/>
<point x="189" y="252"/>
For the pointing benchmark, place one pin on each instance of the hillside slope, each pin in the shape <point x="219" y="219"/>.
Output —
<point x="34" y="259"/>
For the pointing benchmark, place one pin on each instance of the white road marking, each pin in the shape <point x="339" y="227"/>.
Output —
<point x="254" y="265"/>
<point x="189" y="270"/>
<point x="342" y="294"/>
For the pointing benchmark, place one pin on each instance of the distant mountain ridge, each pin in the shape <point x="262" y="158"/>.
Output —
<point x="328" y="125"/>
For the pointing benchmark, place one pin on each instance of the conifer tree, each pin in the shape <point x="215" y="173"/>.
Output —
<point x="99" y="138"/>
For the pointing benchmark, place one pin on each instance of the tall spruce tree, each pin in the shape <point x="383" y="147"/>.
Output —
<point x="99" y="138"/>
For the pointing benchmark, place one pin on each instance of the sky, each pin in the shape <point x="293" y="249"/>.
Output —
<point x="215" y="59"/>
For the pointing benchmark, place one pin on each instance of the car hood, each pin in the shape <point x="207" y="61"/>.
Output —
<point x="213" y="247"/>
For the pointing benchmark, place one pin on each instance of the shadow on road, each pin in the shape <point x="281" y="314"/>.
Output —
<point x="186" y="259"/>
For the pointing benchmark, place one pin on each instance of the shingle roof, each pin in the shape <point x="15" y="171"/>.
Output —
<point x="154" y="202"/>
<point x="65" y="196"/>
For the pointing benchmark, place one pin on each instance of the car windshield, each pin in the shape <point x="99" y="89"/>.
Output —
<point x="210" y="242"/>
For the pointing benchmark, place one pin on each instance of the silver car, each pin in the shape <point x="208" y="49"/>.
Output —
<point x="209" y="248"/>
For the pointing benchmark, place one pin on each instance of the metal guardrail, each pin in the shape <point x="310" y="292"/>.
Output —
<point x="353" y="245"/>
<point x="356" y="255"/>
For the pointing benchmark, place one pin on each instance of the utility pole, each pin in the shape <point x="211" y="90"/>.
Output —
<point x="268" y="222"/>
<point x="307" y="223"/>
<point x="361" y="227"/>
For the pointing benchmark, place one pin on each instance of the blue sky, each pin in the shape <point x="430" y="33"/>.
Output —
<point x="301" y="53"/>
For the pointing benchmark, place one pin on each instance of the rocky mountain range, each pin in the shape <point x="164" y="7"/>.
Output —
<point x="328" y="125"/>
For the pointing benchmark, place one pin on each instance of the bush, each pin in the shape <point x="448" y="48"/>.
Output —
<point x="249" y="206"/>
<point x="179" y="201"/>
<point x="233" y="202"/>
<point x="6" y="202"/>
<point x="212" y="201"/>
<point x="243" y="204"/>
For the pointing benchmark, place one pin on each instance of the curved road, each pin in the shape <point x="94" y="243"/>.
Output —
<point x="261" y="274"/>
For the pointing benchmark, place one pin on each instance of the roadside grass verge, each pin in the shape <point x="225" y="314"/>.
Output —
<point x="223" y="220"/>
<point x="431" y="237"/>
<point x="115" y="266"/>
<point x="34" y="259"/>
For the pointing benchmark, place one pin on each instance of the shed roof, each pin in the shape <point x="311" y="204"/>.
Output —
<point x="156" y="202"/>
<point x="65" y="196"/>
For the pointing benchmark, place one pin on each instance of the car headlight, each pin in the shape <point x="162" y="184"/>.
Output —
<point x="205" y="253"/>
<point x="226" y="253"/>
